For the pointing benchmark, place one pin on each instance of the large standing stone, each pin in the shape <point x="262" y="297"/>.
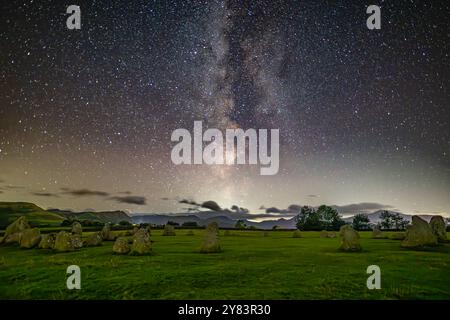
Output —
<point x="30" y="238"/>
<point x="419" y="234"/>
<point x="14" y="231"/>
<point x="121" y="246"/>
<point x="211" y="239"/>
<point x="107" y="234"/>
<point x="63" y="242"/>
<point x="94" y="240"/>
<point x="76" y="228"/>
<point x="169" y="230"/>
<point x="141" y="243"/>
<point x="349" y="239"/>
<point x="377" y="234"/>
<point x="439" y="227"/>
<point x="47" y="241"/>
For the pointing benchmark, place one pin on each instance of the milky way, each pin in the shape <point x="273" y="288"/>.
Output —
<point x="86" y="115"/>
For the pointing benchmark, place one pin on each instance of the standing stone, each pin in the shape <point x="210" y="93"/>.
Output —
<point x="265" y="234"/>
<point x="141" y="243"/>
<point x="331" y="234"/>
<point x="297" y="234"/>
<point x="47" y="241"/>
<point x="190" y="233"/>
<point x="349" y="239"/>
<point x="76" y="228"/>
<point x="94" y="240"/>
<point x="419" y="234"/>
<point x="106" y="233"/>
<point x="324" y="234"/>
<point x="76" y="241"/>
<point x="227" y="233"/>
<point x="14" y="231"/>
<point x="121" y="246"/>
<point x="30" y="238"/>
<point x="439" y="228"/>
<point x="63" y="242"/>
<point x="377" y="234"/>
<point x="169" y="230"/>
<point x="211" y="239"/>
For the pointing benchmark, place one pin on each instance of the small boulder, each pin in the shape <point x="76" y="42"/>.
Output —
<point x="30" y="238"/>
<point x="324" y="234"/>
<point x="419" y="234"/>
<point x="94" y="240"/>
<point x="121" y="246"/>
<point x="107" y="234"/>
<point x="211" y="239"/>
<point x="349" y="239"/>
<point x="76" y="228"/>
<point x="169" y="230"/>
<point x="297" y="234"/>
<point x="141" y="243"/>
<point x="439" y="227"/>
<point x="377" y="234"/>
<point x="63" y="242"/>
<point x="47" y="241"/>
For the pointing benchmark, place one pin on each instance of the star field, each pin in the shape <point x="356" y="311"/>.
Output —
<point x="363" y="114"/>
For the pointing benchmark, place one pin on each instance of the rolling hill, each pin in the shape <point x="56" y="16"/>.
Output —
<point x="10" y="211"/>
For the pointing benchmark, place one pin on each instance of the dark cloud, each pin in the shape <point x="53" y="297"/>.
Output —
<point x="361" y="207"/>
<point x="212" y="205"/>
<point x="137" y="200"/>
<point x="84" y="192"/>
<point x="44" y="194"/>
<point x="191" y="202"/>
<point x="293" y="208"/>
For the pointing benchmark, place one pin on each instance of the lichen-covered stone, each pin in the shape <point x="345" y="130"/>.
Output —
<point x="94" y="240"/>
<point x="76" y="228"/>
<point x="30" y="238"/>
<point x="63" y="242"/>
<point x="349" y="239"/>
<point x="169" y="230"/>
<point x="141" y="243"/>
<point x="378" y="234"/>
<point x="121" y="246"/>
<point x="439" y="227"/>
<point x="107" y="234"/>
<point x="47" y="241"/>
<point x="77" y="241"/>
<point x="14" y="231"/>
<point x="419" y="234"/>
<point x="211" y="242"/>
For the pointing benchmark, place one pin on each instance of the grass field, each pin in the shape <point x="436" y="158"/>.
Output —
<point x="250" y="267"/>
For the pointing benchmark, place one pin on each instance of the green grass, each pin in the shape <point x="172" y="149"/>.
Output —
<point x="250" y="267"/>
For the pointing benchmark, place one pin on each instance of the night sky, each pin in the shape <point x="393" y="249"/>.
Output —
<point x="86" y="115"/>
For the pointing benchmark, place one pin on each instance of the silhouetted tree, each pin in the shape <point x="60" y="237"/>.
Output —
<point x="361" y="222"/>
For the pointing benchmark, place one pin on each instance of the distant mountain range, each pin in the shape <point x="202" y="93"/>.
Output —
<point x="9" y="211"/>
